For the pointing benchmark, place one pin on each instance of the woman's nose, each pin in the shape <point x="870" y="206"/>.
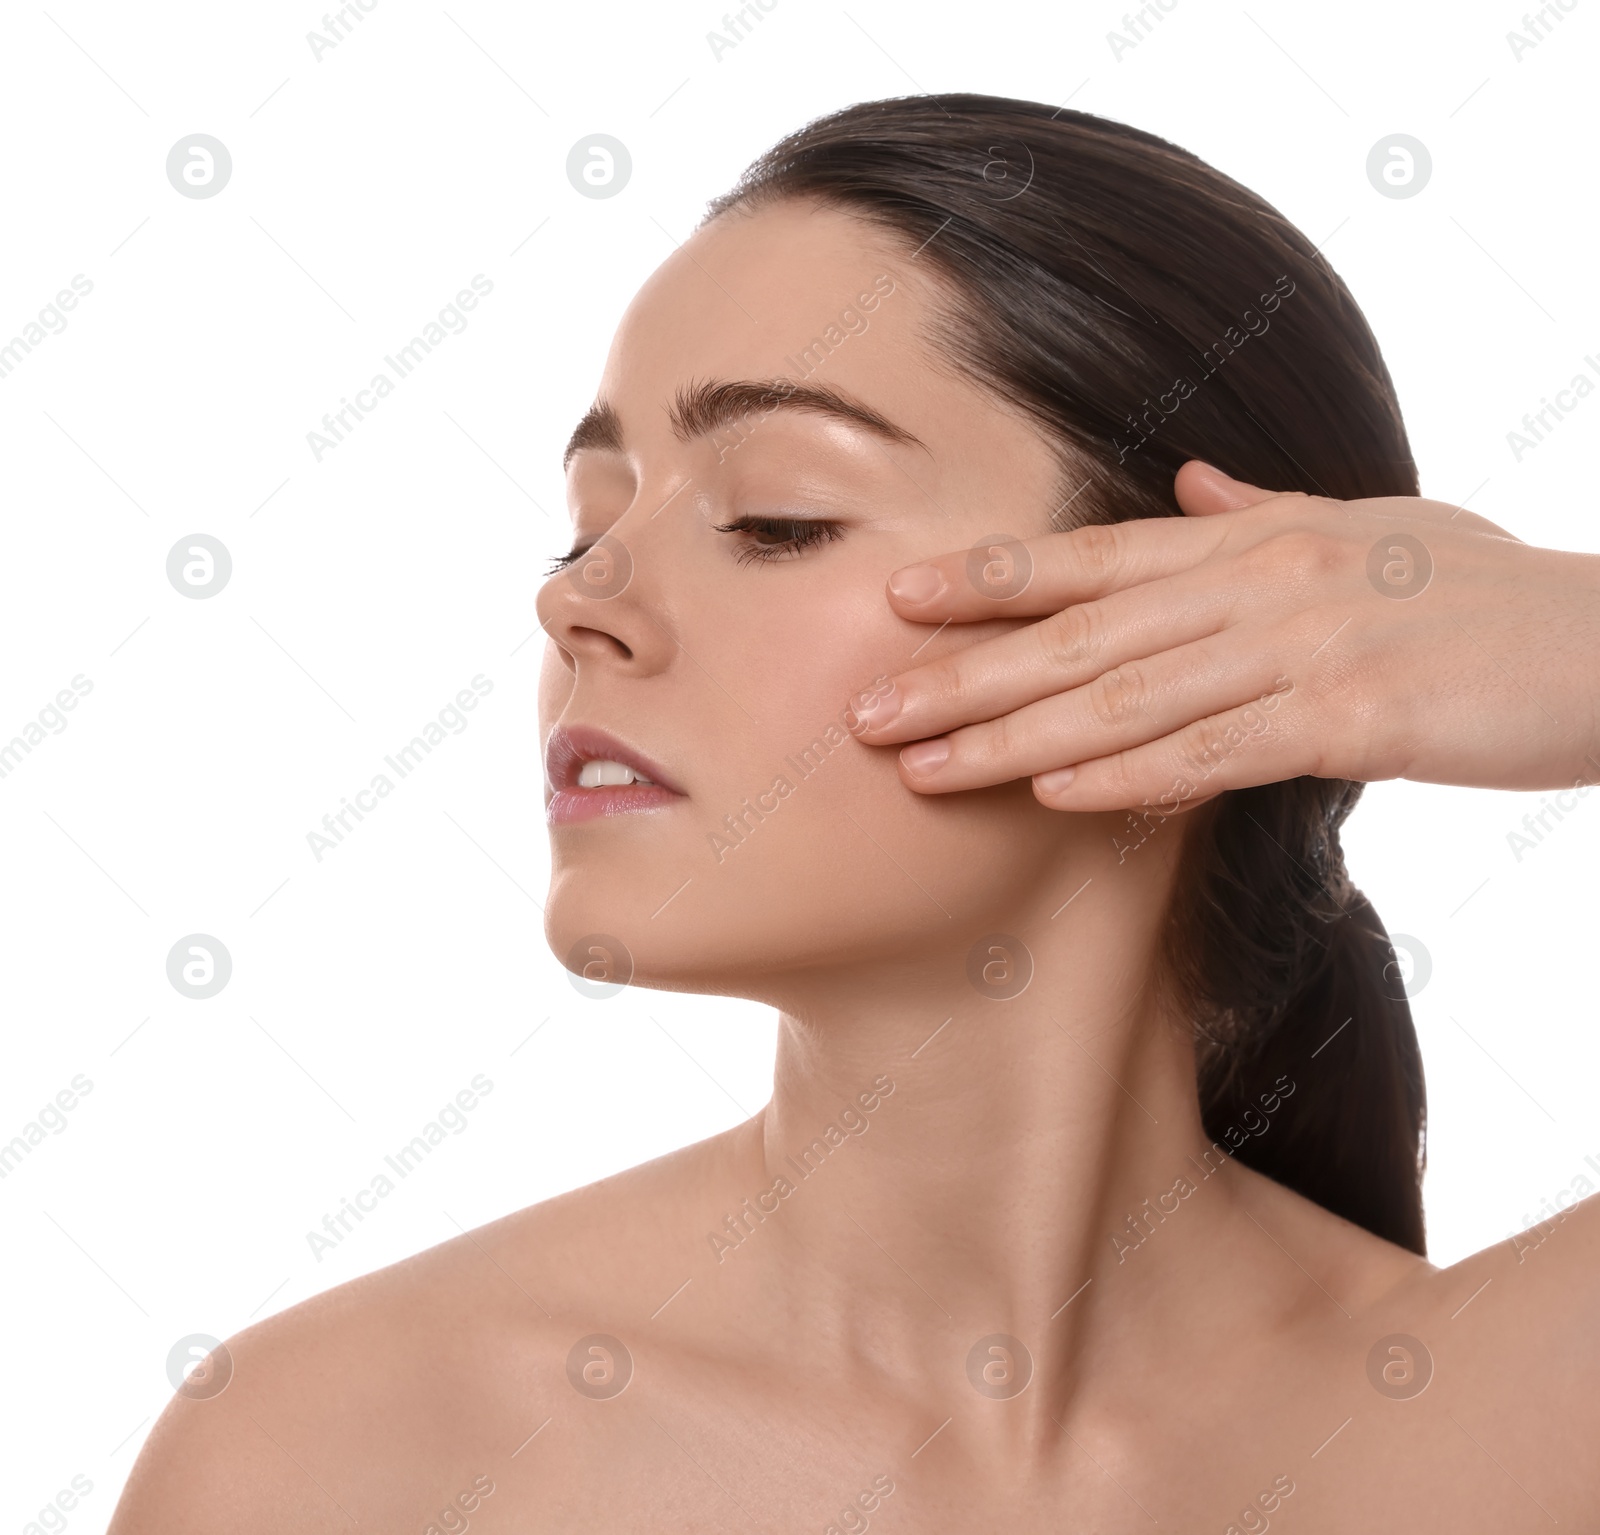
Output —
<point x="598" y="611"/>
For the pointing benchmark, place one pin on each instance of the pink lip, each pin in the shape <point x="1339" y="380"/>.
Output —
<point x="569" y="747"/>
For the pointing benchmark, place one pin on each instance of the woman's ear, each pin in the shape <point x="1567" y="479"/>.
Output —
<point x="1202" y="490"/>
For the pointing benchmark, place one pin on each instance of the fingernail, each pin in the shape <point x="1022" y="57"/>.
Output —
<point x="875" y="709"/>
<point x="917" y="583"/>
<point x="925" y="757"/>
<point x="1056" y="780"/>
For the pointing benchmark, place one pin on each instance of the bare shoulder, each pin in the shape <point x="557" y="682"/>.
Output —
<point x="1502" y="1351"/>
<point x="400" y="1397"/>
<point x="1530" y="1295"/>
<point x="1524" y="1310"/>
<point x="1489" y="1366"/>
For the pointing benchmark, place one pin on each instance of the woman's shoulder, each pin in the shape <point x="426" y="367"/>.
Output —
<point x="1522" y="1311"/>
<point x="1506" y="1343"/>
<point x="425" y="1373"/>
<point x="1478" y="1369"/>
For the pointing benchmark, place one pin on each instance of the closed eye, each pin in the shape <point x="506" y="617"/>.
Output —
<point x="778" y="538"/>
<point x="767" y="538"/>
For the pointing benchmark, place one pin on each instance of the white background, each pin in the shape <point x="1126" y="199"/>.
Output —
<point x="367" y="189"/>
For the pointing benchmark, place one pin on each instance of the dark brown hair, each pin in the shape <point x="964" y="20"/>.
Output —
<point x="1104" y="283"/>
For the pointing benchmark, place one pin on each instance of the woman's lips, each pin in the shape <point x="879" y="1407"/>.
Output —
<point x="569" y="747"/>
<point x="568" y="805"/>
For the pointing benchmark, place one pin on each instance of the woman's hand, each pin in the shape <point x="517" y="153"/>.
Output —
<point x="1260" y="637"/>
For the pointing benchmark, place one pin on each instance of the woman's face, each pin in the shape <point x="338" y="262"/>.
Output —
<point x="729" y="660"/>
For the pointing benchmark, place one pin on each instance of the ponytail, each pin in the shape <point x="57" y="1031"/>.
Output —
<point x="1305" y="1040"/>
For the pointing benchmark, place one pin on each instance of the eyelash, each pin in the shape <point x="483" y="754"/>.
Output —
<point x="794" y="534"/>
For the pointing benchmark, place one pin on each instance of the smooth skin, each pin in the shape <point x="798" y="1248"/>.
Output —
<point x="984" y="1167"/>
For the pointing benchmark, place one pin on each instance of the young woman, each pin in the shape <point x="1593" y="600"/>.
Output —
<point x="1088" y="1196"/>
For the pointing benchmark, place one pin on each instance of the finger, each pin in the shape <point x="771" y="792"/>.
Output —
<point x="1134" y="704"/>
<point x="1029" y="577"/>
<point x="1065" y="650"/>
<point x="1233" y="750"/>
<point x="1203" y="490"/>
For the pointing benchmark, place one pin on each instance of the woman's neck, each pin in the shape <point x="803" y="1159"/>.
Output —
<point x="946" y="1166"/>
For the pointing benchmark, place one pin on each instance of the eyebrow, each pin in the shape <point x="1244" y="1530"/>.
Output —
<point x="699" y="409"/>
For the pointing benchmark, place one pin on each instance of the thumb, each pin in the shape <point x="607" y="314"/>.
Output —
<point x="1202" y="490"/>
